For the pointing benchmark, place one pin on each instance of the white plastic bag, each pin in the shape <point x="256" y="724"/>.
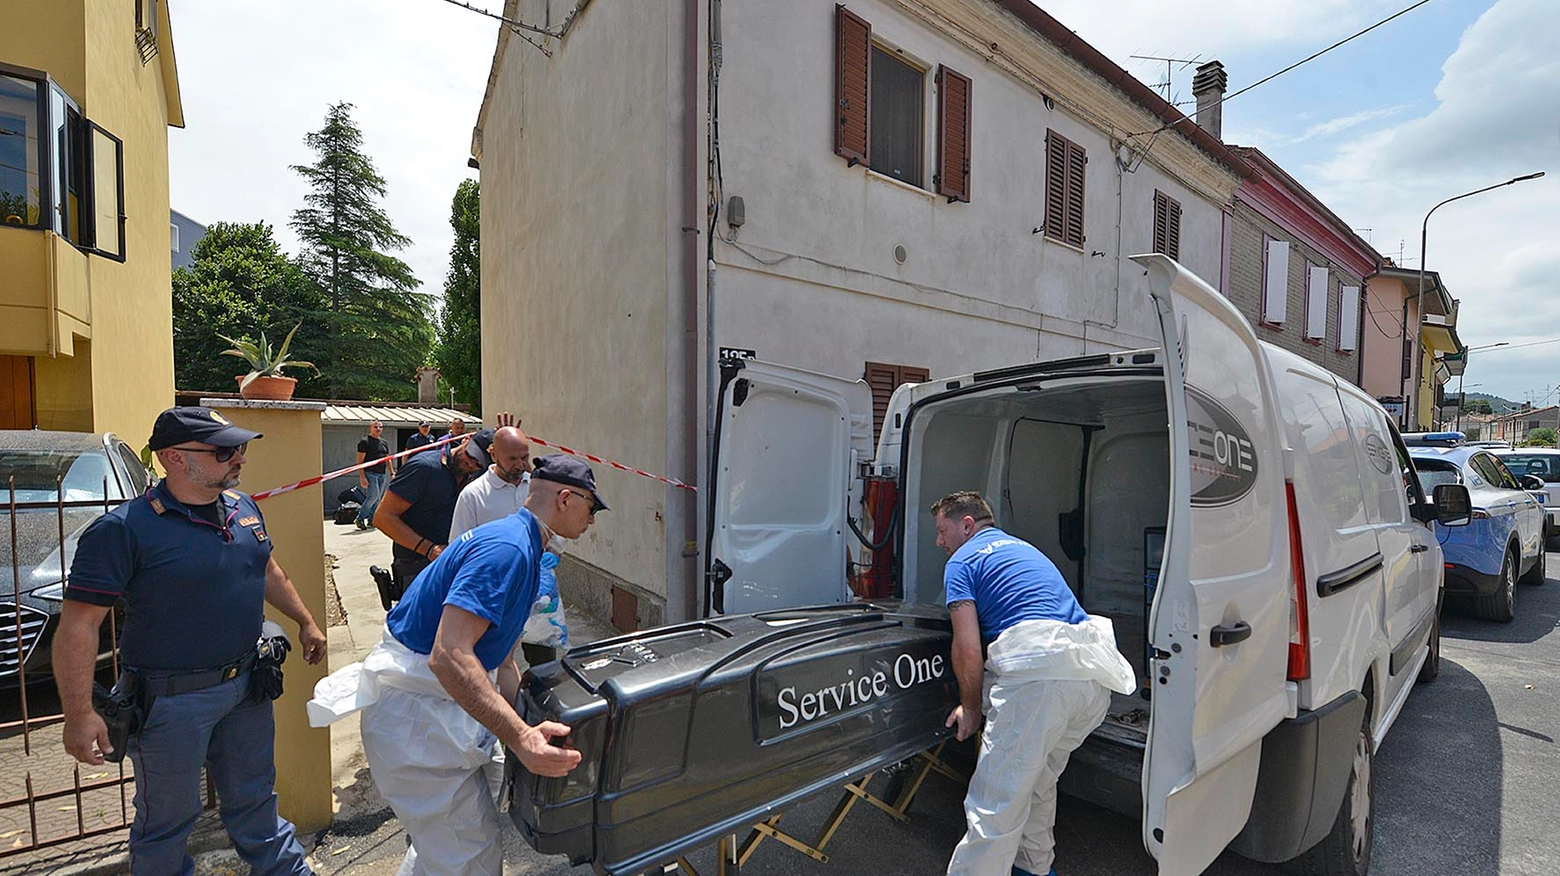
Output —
<point x="546" y="624"/>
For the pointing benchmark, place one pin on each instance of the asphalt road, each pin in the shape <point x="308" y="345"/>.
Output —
<point x="1465" y="782"/>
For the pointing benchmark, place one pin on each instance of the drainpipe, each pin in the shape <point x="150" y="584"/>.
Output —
<point x="688" y="565"/>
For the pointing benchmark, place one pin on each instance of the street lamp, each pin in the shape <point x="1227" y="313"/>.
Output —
<point x="1419" y="315"/>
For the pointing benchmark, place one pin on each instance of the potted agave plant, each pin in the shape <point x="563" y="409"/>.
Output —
<point x="265" y="379"/>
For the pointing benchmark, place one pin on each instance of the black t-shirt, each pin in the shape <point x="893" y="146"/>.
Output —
<point x="373" y="448"/>
<point x="428" y="484"/>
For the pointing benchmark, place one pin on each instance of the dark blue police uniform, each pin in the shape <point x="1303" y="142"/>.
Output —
<point x="194" y="591"/>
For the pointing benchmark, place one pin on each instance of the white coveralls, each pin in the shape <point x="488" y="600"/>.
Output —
<point x="440" y="770"/>
<point x="1048" y="686"/>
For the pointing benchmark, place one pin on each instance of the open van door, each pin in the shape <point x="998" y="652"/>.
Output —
<point x="787" y="444"/>
<point x="1220" y="621"/>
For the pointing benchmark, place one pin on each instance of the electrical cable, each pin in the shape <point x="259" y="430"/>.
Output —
<point x="1305" y="60"/>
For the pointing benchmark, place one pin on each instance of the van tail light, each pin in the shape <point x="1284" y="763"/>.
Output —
<point x="1299" y="610"/>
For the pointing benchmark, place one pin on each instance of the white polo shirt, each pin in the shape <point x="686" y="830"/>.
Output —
<point x="486" y="499"/>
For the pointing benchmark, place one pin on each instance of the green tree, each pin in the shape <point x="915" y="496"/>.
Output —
<point x="375" y="325"/>
<point x="458" y="352"/>
<point x="241" y="283"/>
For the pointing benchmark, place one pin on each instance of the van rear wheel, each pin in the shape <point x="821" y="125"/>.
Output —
<point x="1345" y="851"/>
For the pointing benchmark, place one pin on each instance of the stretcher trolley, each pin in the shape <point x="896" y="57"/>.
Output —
<point x="694" y="733"/>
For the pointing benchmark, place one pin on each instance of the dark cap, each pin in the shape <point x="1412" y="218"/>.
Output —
<point x="477" y="447"/>
<point x="423" y="423"/>
<point x="562" y="469"/>
<point x="178" y="425"/>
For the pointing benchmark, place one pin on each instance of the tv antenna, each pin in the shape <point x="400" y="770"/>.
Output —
<point x="1169" y="68"/>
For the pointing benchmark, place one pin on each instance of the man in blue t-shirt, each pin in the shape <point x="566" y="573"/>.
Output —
<point x="1004" y="594"/>
<point x="448" y="699"/>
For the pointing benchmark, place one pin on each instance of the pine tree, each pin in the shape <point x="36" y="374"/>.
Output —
<point x="458" y="353"/>
<point x="375" y="326"/>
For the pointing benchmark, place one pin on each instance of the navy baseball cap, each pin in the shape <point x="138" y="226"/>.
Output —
<point x="178" y="425"/>
<point x="562" y="469"/>
<point x="477" y="447"/>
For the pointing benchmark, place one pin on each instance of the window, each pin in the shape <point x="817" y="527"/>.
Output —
<point x="1167" y="225"/>
<point x="1348" y="318"/>
<point x="21" y="173"/>
<point x="884" y="379"/>
<point x="1065" y="162"/>
<point x="59" y="170"/>
<point x="1275" y="281"/>
<point x="880" y="111"/>
<point x="173" y="236"/>
<point x="898" y="95"/>
<point x="1315" y="302"/>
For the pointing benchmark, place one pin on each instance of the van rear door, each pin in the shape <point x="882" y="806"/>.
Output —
<point x="788" y="443"/>
<point x="1220" y="621"/>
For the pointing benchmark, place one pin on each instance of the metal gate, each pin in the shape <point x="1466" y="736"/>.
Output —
<point x="47" y="798"/>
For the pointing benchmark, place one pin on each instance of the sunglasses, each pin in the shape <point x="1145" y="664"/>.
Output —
<point x="223" y="454"/>
<point x="595" y="504"/>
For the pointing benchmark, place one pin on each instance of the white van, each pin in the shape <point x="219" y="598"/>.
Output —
<point x="1252" y="526"/>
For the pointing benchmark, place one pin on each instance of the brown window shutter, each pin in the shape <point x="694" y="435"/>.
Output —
<point x="1055" y="184"/>
<point x="852" y="84"/>
<point x="1077" y="159"/>
<point x="1161" y="222"/>
<point x="883" y="379"/>
<point x="1173" y="230"/>
<point x="953" y="135"/>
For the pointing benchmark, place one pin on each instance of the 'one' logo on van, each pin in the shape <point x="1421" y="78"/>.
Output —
<point x="1224" y="461"/>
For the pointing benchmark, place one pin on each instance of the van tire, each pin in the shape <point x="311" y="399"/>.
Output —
<point x="1345" y="851"/>
<point x="1501" y="606"/>
<point x="1537" y="574"/>
<point x="1432" y="667"/>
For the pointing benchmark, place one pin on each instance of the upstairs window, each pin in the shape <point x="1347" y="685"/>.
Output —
<point x="884" y="378"/>
<point x="880" y="111"/>
<point x="1167" y="225"/>
<point x="58" y="170"/>
<point x="1065" y="163"/>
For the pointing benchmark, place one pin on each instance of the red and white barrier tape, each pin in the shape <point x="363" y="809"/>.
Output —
<point x="309" y="482"/>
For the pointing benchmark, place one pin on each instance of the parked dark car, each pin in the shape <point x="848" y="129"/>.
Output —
<point x="40" y="470"/>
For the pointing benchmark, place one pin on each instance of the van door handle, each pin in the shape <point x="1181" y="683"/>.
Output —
<point x="1220" y="636"/>
<point x="1418" y="548"/>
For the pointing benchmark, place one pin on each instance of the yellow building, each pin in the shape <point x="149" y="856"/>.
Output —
<point x="88" y="90"/>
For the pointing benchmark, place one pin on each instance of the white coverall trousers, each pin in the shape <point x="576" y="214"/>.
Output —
<point x="1048" y="686"/>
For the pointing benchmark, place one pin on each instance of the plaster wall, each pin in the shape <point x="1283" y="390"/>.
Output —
<point x="576" y="191"/>
<point x="1383" y="336"/>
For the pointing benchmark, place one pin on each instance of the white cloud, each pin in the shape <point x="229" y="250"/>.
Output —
<point x="256" y="78"/>
<point x="1497" y="116"/>
<point x="1333" y="127"/>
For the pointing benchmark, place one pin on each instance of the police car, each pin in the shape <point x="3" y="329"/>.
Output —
<point x="50" y="482"/>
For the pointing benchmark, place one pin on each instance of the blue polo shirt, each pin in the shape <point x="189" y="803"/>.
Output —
<point x="429" y="483"/>
<point x="492" y="572"/>
<point x="1009" y="581"/>
<point x="194" y="591"/>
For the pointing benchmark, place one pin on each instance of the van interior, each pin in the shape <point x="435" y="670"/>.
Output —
<point x="1078" y="466"/>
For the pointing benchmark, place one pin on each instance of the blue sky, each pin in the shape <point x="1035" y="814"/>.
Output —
<point x="1455" y="95"/>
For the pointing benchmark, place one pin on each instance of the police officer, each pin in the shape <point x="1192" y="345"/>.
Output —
<point x="419" y="503"/>
<point x="192" y="562"/>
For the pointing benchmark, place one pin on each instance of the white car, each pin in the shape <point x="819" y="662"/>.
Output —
<point x="1267" y="558"/>
<point x="1542" y="463"/>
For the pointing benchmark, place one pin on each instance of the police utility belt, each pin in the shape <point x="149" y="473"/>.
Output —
<point x="125" y="707"/>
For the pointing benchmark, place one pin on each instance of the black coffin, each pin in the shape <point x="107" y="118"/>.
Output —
<point x="697" y="730"/>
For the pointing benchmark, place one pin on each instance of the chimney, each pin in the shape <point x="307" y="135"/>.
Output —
<point x="428" y="386"/>
<point x="1208" y="87"/>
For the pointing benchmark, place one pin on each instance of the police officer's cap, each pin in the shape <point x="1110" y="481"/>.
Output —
<point x="566" y="470"/>
<point x="178" y="425"/>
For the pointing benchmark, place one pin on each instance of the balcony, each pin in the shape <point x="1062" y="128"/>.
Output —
<point x="45" y="293"/>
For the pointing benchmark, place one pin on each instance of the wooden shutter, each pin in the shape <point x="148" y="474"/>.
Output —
<point x="852" y="84"/>
<point x="953" y="135"/>
<point x="1077" y="159"/>
<point x="1167" y="225"/>
<point x="17" y="410"/>
<point x="1055" y="184"/>
<point x="883" y="379"/>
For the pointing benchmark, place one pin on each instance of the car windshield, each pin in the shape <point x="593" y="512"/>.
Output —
<point x="1542" y="465"/>
<point x="42" y="475"/>
<point x="1433" y="473"/>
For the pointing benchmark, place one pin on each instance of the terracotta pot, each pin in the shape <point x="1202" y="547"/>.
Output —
<point x="267" y="388"/>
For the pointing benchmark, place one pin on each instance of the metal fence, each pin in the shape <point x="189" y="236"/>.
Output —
<point x="47" y="798"/>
